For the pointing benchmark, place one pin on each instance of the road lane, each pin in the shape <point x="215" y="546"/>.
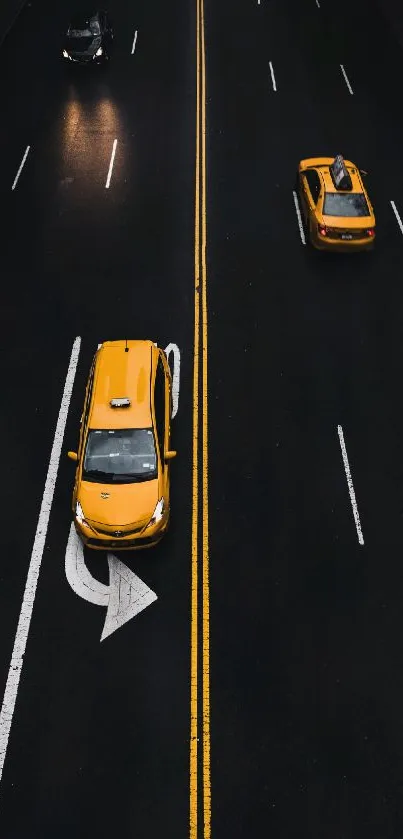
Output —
<point x="96" y="723"/>
<point x="110" y="718"/>
<point x="306" y="684"/>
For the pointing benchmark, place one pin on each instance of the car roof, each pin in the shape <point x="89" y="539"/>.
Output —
<point x="322" y="165"/>
<point x="328" y="180"/>
<point x="123" y="374"/>
<point x="80" y="18"/>
<point x="357" y="186"/>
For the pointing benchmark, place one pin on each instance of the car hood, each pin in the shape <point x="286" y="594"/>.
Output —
<point x="126" y="503"/>
<point x="83" y="46"/>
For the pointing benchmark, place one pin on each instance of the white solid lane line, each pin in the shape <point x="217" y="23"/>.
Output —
<point x="134" y="42"/>
<point x="298" y="212"/>
<point x="350" y="485"/>
<point x="17" y="657"/>
<point x="20" y="169"/>
<point x="398" y="219"/>
<point x="108" y="180"/>
<point x="346" y="79"/>
<point x="272" y="76"/>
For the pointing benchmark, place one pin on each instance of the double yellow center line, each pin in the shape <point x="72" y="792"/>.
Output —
<point x="200" y="805"/>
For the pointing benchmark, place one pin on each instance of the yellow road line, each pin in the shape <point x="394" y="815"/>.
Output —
<point x="200" y="295"/>
<point x="195" y="478"/>
<point x="205" y="510"/>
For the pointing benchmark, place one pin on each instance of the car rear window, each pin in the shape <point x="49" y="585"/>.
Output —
<point x="342" y="204"/>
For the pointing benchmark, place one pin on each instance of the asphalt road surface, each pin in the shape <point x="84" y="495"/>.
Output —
<point x="100" y="740"/>
<point x="305" y="420"/>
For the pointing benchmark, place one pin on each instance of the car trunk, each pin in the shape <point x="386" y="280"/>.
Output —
<point x="348" y="229"/>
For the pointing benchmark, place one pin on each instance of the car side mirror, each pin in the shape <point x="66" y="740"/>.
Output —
<point x="169" y="455"/>
<point x="72" y="455"/>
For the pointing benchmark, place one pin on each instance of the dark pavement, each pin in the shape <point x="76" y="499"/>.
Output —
<point x="100" y="740"/>
<point x="306" y="624"/>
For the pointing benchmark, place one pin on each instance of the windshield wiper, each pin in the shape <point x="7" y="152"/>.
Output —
<point x="117" y="477"/>
<point x="98" y="473"/>
<point x="135" y="479"/>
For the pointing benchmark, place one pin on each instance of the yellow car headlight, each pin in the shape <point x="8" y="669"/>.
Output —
<point x="158" y="513"/>
<point x="80" y="514"/>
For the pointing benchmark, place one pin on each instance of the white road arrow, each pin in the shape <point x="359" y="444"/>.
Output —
<point x="124" y="597"/>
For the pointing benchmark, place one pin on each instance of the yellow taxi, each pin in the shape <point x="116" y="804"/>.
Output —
<point x="335" y="204"/>
<point x="121" y="490"/>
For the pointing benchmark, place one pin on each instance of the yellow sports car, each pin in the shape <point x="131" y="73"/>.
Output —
<point x="335" y="204"/>
<point x="121" y="491"/>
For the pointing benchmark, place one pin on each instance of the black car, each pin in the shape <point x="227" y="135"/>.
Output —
<point x="88" y="39"/>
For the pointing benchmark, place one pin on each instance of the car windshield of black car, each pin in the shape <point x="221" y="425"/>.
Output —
<point x="84" y="28"/>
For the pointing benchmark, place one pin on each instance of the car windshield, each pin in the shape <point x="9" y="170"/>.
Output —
<point x="84" y="28"/>
<point x="126" y="455"/>
<point x="342" y="204"/>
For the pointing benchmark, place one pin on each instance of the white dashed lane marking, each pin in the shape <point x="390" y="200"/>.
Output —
<point x="20" y="168"/>
<point x="272" y="76"/>
<point x="346" y="79"/>
<point x="398" y="219"/>
<point x="108" y="180"/>
<point x="298" y="212"/>
<point x="350" y="485"/>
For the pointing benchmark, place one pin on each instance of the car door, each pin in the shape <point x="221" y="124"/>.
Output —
<point x="160" y="411"/>
<point x="168" y="401"/>
<point x="364" y="189"/>
<point x="168" y="415"/>
<point x="310" y="189"/>
<point x="106" y="28"/>
<point x="83" y="427"/>
<point x="163" y="407"/>
<point x="102" y="23"/>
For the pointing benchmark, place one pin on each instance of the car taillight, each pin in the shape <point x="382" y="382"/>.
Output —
<point x="322" y="229"/>
<point x="371" y="232"/>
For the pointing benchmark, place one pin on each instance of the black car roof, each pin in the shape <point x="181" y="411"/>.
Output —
<point x="81" y="19"/>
